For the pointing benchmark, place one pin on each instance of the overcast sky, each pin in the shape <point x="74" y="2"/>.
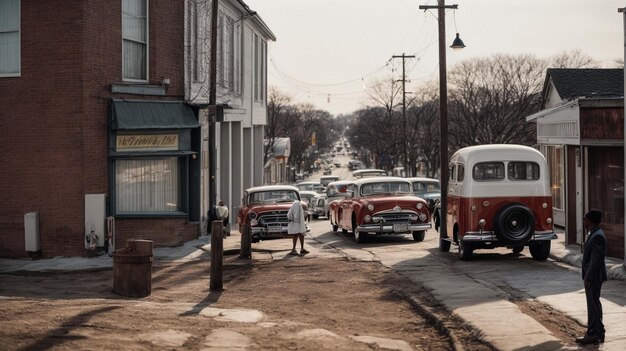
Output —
<point x="328" y="51"/>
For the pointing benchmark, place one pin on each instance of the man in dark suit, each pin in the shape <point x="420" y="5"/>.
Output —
<point x="594" y="274"/>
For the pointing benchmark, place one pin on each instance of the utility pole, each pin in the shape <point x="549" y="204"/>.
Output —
<point x="405" y="160"/>
<point x="443" y="114"/>
<point x="213" y="106"/>
<point x="623" y="11"/>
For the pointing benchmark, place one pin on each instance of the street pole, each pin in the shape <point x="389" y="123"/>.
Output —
<point x="212" y="106"/>
<point x="217" y="254"/>
<point x="623" y="11"/>
<point x="443" y="114"/>
<point x="404" y="141"/>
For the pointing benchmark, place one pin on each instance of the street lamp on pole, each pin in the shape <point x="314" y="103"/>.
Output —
<point x="443" y="111"/>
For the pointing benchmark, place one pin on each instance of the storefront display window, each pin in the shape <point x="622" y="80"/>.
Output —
<point x="147" y="185"/>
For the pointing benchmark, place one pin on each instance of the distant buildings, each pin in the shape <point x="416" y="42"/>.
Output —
<point x="103" y="113"/>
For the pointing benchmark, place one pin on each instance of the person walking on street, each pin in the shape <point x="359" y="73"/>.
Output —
<point x="594" y="274"/>
<point x="222" y="213"/>
<point x="297" y="226"/>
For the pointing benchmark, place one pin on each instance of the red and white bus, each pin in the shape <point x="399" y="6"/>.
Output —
<point x="499" y="195"/>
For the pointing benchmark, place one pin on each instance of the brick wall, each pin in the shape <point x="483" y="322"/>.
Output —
<point x="54" y="118"/>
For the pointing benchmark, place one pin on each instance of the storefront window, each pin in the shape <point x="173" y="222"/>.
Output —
<point x="147" y="185"/>
<point x="557" y="182"/>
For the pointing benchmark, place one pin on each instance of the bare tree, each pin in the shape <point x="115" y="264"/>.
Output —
<point x="424" y="129"/>
<point x="491" y="98"/>
<point x="572" y="59"/>
<point x="280" y="118"/>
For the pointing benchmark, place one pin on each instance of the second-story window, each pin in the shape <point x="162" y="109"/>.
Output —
<point x="260" y="51"/>
<point x="9" y="37"/>
<point x="135" y="39"/>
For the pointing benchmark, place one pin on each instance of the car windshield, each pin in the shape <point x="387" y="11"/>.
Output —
<point x="273" y="196"/>
<point x="385" y="188"/>
<point x="426" y="187"/>
<point x="328" y="180"/>
<point x="310" y="186"/>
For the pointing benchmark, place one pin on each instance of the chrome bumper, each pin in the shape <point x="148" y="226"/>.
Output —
<point x="262" y="233"/>
<point x="388" y="228"/>
<point x="490" y="236"/>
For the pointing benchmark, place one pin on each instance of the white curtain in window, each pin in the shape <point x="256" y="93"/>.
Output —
<point x="134" y="33"/>
<point x="9" y="36"/>
<point x="150" y="185"/>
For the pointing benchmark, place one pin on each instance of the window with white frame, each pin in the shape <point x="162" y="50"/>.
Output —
<point x="135" y="39"/>
<point x="196" y="44"/>
<point x="260" y="50"/>
<point x="236" y="58"/>
<point x="9" y="37"/>
<point x="147" y="185"/>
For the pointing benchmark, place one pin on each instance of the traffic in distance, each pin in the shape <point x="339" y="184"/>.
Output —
<point x="499" y="196"/>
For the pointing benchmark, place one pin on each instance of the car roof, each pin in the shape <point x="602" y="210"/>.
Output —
<point x="272" y="188"/>
<point x="367" y="170"/>
<point x="308" y="192"/>
<point x="380" y="180"/>
<point x="341" y="182"/>
<point x="307" y="183"/>
<point x="423" y="179"/>
<point x="497" y="152"/>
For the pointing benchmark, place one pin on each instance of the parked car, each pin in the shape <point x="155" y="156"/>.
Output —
<point x="369" y="172"/>
<point x="380" y="206"/>
<point x="264" y="209"/>
<point x="499" y="195"/>
<point x="428" y="189"/>
<point x="320" y="204"/>
<point x="325" y="180"/>
<point x="312" y="186"/>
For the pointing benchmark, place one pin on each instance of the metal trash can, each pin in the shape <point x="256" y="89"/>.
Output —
<point x="132" y="269"/>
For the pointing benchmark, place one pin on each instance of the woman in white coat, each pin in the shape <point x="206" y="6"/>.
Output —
<point x="297" y="226"/>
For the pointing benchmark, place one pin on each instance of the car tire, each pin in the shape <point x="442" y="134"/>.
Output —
<point x="465" y="251"/>
<point x="514" y="224"/>
<point x="444" y="245"/>
<point x="518" y="249"/>
<point x="419" y="235"/>
<point x="540" y="250"/>
<point x="359" y="236"/>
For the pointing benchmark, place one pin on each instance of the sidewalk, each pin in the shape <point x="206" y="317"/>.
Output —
<point x="200" y="248"/>
<point x="571" y="255"/>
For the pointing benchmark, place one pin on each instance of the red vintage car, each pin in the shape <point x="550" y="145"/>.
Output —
<point x="380" y="206"/>
<point x="264" y="209"/>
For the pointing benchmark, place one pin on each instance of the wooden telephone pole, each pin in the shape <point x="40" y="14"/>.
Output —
<point x="405" y="156"/>
<point x="443" y="114"/>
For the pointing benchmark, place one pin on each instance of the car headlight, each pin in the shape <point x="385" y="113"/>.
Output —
<point x="367" y="218"/>
<point x="370" y="207"/>
<point x="419" y="206"/>
<point x="252" y="215"/>
<point x="423" y="216"/>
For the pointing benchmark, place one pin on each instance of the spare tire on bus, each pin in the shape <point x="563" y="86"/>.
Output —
<point x="514" y="224"/>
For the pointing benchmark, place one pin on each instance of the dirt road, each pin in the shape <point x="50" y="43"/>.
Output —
<point x="294" y="303"/>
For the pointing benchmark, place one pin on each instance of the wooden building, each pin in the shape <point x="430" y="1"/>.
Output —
<point x="580" y="130"/>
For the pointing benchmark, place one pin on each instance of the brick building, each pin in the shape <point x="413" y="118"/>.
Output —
<point x="96" y="121"/>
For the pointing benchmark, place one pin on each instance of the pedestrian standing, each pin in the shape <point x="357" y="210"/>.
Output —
<point x="222" y="213"/>
<point x="594" y="274"/>
<point x="297" y="226"/>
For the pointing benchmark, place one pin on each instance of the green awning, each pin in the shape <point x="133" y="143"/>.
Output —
<point x="129" y="115"/>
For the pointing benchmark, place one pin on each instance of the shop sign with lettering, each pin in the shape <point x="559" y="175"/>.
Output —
<point x="146" y="142"/>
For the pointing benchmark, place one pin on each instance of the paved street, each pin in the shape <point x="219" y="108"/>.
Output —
<point x="510" y="300"/>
